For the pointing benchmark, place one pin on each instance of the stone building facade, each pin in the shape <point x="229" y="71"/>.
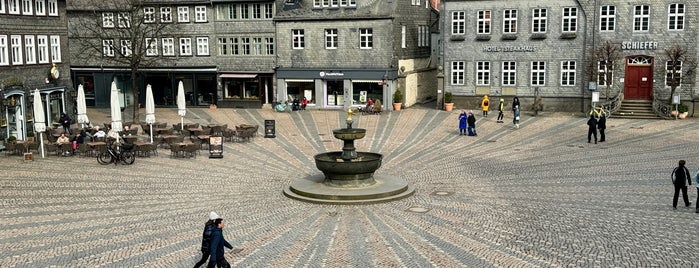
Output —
<point x="524" y="48"/>
<point x="33" y="55"/>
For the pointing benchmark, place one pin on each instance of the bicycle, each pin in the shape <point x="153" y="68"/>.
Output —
<point x="599" y="111"/>
<point x="117" y="153"/>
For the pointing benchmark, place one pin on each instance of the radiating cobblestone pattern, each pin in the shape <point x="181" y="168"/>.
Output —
<point x="538" y="196"/>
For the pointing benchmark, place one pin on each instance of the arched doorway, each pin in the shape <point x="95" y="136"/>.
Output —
<point x="638" y="83"/>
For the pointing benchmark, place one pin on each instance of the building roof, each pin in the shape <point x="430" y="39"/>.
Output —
<point x="88" y="5"/>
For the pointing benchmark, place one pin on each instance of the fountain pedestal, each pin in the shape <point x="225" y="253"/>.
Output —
<point x="348" y="176"/>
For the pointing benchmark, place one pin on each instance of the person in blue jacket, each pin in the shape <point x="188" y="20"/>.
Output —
<point x="206" y="239"/>
<point x="217" y="243"/>
<point x="463" y="123"/>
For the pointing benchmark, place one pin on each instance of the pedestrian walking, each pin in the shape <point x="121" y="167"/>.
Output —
<point x="217" y="243"/>
<point x="515" y="103"/>
<point x="463" y="117"/>
<point x="485" y="103"/>
<point x="602" y="125"/>
<point x="206" y="239"/>
<point x="680" y="178"/>
<point x="471" y="124"/>
<point x="515" y="117"/>
<point x="592" y="129"/>
<point x="696" y="178"/>
<point x="501" y="108"/>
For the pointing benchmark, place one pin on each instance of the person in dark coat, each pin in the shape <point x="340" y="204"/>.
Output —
<point x="515" y="103"/>
<point x="680" y="178"/>
<point x="65" y="122"/>
<point x="463" y="117"/>
<point x="602" y="125"/>
<point x="501" y="108"/>
<point x="217" y="243"/>
<point x="471" y="124"/>
<point x="206" y="239"/>
<point x="592" y="129"/>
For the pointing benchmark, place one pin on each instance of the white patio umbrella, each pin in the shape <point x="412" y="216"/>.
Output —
<point x="82" y="108"/>
<point x="150" y="110"/>
<point x="116" y="112"/>
<point x="39" y="118"/>
<point x="181" y="104"/>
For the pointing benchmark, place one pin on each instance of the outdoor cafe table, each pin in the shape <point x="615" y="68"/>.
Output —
<point x="130" y="139"/>
<point x="160" y="130"/>
<point x="96" y="145"/>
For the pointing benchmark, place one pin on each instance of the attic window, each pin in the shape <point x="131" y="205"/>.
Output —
<point x="290" y="2"/>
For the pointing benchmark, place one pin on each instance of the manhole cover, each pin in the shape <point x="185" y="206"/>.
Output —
<point x="418" y="209"/>
<point x="442" y="193"/>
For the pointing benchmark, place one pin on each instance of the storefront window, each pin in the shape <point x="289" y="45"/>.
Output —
<point x="298" y="90"/>
<point x="335" y="92"/>
<point x="88" y="82"/>
<point x="206" y="89"/>
<point x="241" y="89"/>
<point x="362" y="91"/>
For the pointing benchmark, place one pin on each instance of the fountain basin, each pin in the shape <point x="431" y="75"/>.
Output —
<point x="349" y="133"/>
<point x="348" y="173"/>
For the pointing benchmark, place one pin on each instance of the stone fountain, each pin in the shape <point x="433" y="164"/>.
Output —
<point x="348" y="176"/>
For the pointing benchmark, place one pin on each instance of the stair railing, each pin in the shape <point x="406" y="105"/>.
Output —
<point x="662" y="109"/>
<point x="612" y="106"/>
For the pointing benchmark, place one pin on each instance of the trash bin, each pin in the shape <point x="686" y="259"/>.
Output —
<point x="269" y="129"/>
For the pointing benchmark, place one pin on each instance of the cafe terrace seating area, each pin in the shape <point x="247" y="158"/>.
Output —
<point x="179" y="141"/>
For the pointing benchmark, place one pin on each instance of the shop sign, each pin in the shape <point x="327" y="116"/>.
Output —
<point x="509" y="49"/>
<point x="629" y="45"/>
<point x="331" y="74"/>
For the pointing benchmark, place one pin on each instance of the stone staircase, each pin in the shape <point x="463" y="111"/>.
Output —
<point x="636" y="109"/>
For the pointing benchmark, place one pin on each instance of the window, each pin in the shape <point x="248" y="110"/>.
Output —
<point x="185" y="46"/>
<point x="223" y="46"/>
<point x="123" y="20"/>
<point x="42" y="44"/>
<point x="245" y="11"/>
<point x="53" y="7"/>
<point x="182" y="14"/>
<point x="257" y="46"/>
<point x="458" y="22"/>
<point x="200" y="14"/>
<point x="202" y="46"/>
<point x="4" y="51"/>
<point x="55" y="48"/>
<point x="484" y="21"/>
<point x="509" y="21"/>
<point x="403" y="33"/>
<point x="269" y="11"/>
<point x="269" y="45"/>
<point x="509" y="73"/>
<point x="415" y="2"/>
<point x="673" y="73"/>
<point x="607" y="18"/>
<point x="458" y="71"/>
<point x="330" y="38"/>
<point x="2" y="11"/>
<point x="13" y="7"/>
<point x="108" y="48"/>
<point x="539" y="20"/>
<point x="256" y="11"/>
<point x="641" y="15"/>
<point x="297" y="39"/>
<point x="151" y="47"/>
<point x="39" y="7"/>
<point x="602" y="70"/>
<point x="366" y="38"/>
<point x="568" y="73"/>
<point x="108" y="20"/>
<point x="675" y="17"/>
<point x="148" y="14"/>
<point x="245" y="45"/>
<point x="570" y="20"/>
<point x="27" y="7"/>
<point x="125" y="46"/>
<point x="538" y="73"/>
<point x="168" y="46"/>
<point x="16" y="45"/>
<point x="235" y="46"/>
<point x="230" y="12"/>
<point x="482" y="73"/>
<point x="165" y="14"/>
<point x="423" y="36"/>
<point x="30" y="49"/>
<point x="348" y="3"/>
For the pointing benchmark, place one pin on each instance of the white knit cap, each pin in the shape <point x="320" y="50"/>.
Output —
<point x="213" y="216"/>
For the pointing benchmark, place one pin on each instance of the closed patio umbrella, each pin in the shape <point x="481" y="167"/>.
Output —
<point x="82" y="108"/>
<point x="115" y="112"/>
<point x="39" y="119"/>
<point x="150" y="110"/>
<point x="181" y="104"/>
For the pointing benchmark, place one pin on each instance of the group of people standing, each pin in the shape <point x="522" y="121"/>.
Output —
<point x="467" y="121"/>
<point x="680" y="179"/>
<point x="594" y="123"/>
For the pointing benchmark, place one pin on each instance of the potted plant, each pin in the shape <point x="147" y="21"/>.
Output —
<point x="397" y="100"/>
<point x="11" y="139"/>
<point x="682" y="111"/>
<point x="30" y="136"/>
<point x="448" y="101"/>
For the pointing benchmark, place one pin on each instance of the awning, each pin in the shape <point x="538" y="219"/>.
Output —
<point x="298" y="80"/>
<point x="365" y="81"/>
<point x="238" y="75"/>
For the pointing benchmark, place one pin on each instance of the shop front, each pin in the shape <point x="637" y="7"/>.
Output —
<point x="335" y="88"/>
<point x="14" y="121"/>
<point x="245" y="90"/>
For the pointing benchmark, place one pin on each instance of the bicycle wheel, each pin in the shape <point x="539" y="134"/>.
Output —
<point x="104" y="158"/>
<point x="128" y="157"/>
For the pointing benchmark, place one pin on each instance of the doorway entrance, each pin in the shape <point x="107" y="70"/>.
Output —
<point x="638" y="83"/>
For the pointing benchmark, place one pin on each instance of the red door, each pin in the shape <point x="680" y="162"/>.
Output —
<point x="638" y="83"/>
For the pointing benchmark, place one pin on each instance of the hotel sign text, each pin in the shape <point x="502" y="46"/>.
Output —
<point x="509" y="49"/>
